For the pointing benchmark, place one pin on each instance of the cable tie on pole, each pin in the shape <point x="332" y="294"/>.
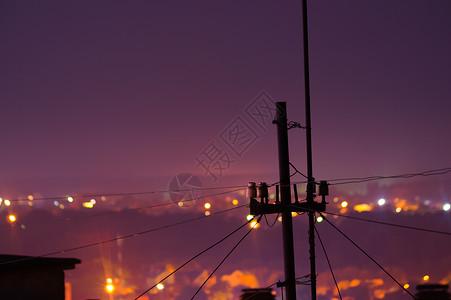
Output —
<point x="293" y="124"/>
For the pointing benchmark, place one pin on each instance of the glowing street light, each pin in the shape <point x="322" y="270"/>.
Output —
<point x="109" y="287"/>
<point x="254" y="224"/>
<point x="446" y="207"/>
<point x="381" y="201"/>
<point x="88" y="204"/>
<point x="12" y="218"/>
<point x="160" y="286"/>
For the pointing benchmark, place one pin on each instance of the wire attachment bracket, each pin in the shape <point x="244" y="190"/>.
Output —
<point x="293" y="124"/>
<point x="290" y="124"/>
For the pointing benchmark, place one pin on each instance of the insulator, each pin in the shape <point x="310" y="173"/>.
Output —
<point x="295" y="189"/>
<point x="251" y="191"/>
<point x="323" y="188"/>
<point x="262" y="190"/>
<point x="311" y="186"/>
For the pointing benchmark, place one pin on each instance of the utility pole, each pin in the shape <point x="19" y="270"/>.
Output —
<point x="285" y="196"/>
<point x="285" y="206"/>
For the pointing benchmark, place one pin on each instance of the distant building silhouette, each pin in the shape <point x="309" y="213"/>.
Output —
<point x="37" y="278"/>
<point x="432" y="292"/>
<point x="257" y="294"/>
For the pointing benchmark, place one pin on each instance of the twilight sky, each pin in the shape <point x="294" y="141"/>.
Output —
<point x="113" y="91"/>
<point x="111" y="96"/>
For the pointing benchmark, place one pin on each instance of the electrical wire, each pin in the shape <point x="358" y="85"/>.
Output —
<point x="129" y="209"/>
<point x="224" y="259"/>
<point x="435" y="172"/>
<point x="130" y="193"/>
<point x="390" y="224"/>
<point x="297" y="171"/>
<point x="193" y="258"/>
<point x="94" y="215"/>
<point x="122" y="237"/>
<point x="367" y="255"/>
<point x="346" y="181"/>
<point x="342" y="181"/>
<point x="275" y="183"/>
<point x="328" y="262"/>
<point x="339" y="181"/>
<point x="274" y="222"/>
<point x="211" y="195"/>
<point x="377" y="222"/>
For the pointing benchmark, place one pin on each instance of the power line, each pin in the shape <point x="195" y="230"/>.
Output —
<point x="367" y="255"/>
<point x="130" y="193"/>
<point x="194" y="257"/>
<point x="211" y="195"/>
<point x="123" y="237"/>
<point x="94" y="215"/>
<point x="342" y="181"/>
<point x="228" y="254"/>
<point x="297" y="171"/>
<point x="339" y="181"/>
<point x="390" y="224"/>
<point x="435" y="172"/>
<point x="273" y="223"/>
<point x="328" y="262"/>
<point x="380" y="222"/>
<point x="132" y="209"/>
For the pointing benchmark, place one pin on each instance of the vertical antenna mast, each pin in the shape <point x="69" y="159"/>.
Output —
<point x="311" y="179"/>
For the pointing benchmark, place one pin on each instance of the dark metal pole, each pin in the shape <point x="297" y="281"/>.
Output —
<point x="311" y="221"/>
<point x="307" y="93"/>
<point x="311" y="179"/>
<point x="285" y="196"/>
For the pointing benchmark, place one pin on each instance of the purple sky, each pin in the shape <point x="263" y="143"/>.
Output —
<point x="109" y="96"/>
<point x="108" y="90"/>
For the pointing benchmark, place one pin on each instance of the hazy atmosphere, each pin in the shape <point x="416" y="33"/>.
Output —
<point x="118" y="105"/>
